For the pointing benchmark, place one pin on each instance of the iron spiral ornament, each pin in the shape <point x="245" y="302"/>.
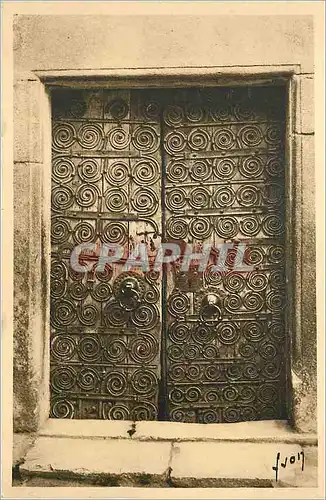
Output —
<point x="191" y="167"/>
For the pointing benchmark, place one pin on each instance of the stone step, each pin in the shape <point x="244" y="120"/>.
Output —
<point x="124" y="462"/>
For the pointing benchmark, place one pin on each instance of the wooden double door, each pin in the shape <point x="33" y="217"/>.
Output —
<point x="200" y="167"/>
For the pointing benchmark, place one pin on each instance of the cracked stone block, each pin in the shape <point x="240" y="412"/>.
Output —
<point x="96" y="456"/>
<point x="231" y="460"/>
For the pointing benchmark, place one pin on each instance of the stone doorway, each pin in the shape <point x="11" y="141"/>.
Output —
<point x="202" y="166"/>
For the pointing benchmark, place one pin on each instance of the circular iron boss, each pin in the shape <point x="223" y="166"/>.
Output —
<point x="62" y="198"/>
<point x="117" y="173"/>
<point x="63" y="136"/>
<point x="143" y="349"/>
<point x="251" y="167"/>
<point x="144" y="201"/>
<point x="60" y="230"/>
<point x="114" y="315"/>
<point x="62" y="408"/>
<point x="63" y="312"/>
<point x="88" y="380"/>
<point x="200" y="170"/>
<point x="178" y="304"/>
<point x="63" y="347"/>
<point x="145" y="172"/>
<point x="115" y="350"/>
<point x="173" y="115"/>
<point x="176" y="171"/>
<point x="224" y="169"/>
<point x="117" y="108"/>
<point x="89" y="348"/>
<point x="63" y="378"/>
<point x="144" y="411"/>
<point x="88" y="314"/>
<point x="223" y="139"/>
<point x="199" y="139"/>
<point x="146" y="139"/>
<point x="116" y="412"/>
<point x="177" y="228"/>
<point x="118" y="138"/>
<point x="116" y="200"/>
<point x="90" y="136"/>
<point x="144" y="382"/>
<point x="63" y="170"/>
<point x="89" y="170"/>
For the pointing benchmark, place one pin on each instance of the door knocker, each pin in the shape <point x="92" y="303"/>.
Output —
<point x="210" y="309"/>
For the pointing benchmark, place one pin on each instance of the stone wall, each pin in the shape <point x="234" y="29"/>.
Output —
<point x="238" y="45"/>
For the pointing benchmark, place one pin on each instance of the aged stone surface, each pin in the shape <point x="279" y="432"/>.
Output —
<point x="144" y="47"/>
<point x="95" y="428"/>
<point x="308" y="478"/>
<point x="28" y="321"/>
<point x="27" y="122"/>
<point x="37" y="42"/>
<point x="89" y="456"/>
<point x="260" y="431"/>
<point x="229" y="460"/>
<point x="304" y="104"/>
<point x="119" y="462"/>
<point x="307" y="105"/>
<point x="296" y="283"/>
<point x="305" y="395"/>
<point x="21" y="444"/>
<point x="304" y="345"/>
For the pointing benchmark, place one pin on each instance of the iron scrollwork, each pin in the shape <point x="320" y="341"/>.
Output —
<point x="105" y="323"/>
<point x="224" y="151"/>
<point x="224" y="334"/>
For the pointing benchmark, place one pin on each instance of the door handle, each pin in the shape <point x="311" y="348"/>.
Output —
<point x="128" y="294"/>
<point x="210" y="308"/>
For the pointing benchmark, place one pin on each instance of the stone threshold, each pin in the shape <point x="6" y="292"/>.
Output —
<point x="253" y="431"/>
<point x="168" y="454"/>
